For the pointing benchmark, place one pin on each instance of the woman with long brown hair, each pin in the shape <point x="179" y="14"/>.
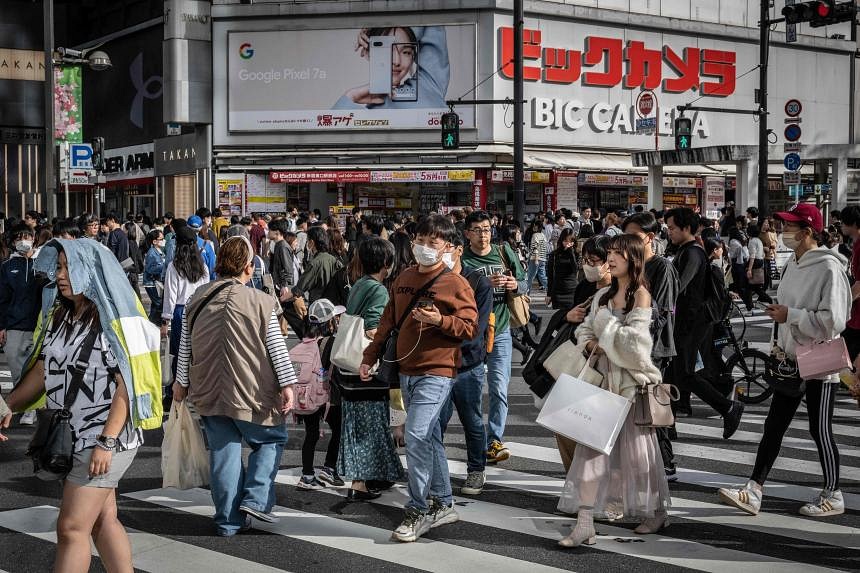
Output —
<point x="631" y="479"/>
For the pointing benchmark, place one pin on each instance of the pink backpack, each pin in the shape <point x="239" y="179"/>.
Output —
<point x="312" y="390"/>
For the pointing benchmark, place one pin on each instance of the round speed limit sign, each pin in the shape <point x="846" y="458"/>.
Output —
<point x="793" y="108"/>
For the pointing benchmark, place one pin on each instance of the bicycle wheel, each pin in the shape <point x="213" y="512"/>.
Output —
<point x="738" y="321"/>
<point x="746" y="371"/>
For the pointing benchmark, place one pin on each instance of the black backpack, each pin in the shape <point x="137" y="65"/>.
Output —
<point x="337" y="290"/>
<point x="717" y="298"/>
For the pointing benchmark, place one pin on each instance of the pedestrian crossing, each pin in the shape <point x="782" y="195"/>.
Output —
<point x="514" y="525"/>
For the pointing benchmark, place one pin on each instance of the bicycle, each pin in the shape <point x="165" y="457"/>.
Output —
<point x="744" y="369"/>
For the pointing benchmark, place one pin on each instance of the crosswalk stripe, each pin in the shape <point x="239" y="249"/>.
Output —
<point x="353" y="537"/>
<point x="701" y="431"/>
<point x="149" y="552"/>
<point x="664" y="549"/>
<point x="841" y="412"/>
<point x="695" y="510"/>
<point x="838" y="429"/>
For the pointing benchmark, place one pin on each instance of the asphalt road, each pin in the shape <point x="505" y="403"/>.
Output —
<point x="512" y="526"/>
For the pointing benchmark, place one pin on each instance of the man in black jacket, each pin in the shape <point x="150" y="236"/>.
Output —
<point x="282" y="259"/>
<point x="692" y="330"/>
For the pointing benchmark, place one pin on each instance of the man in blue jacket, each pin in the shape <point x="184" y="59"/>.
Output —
<point x="20" y="300"/>
<point x="471" y="375"/>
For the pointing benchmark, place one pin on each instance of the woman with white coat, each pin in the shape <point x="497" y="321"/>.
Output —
<point x="631" y="478"/>
<point x="814" y="303"/>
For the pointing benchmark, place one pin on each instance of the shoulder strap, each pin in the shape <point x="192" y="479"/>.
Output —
<point x="209" y="296"/>
<point x="81" y="364"/>
<point x="416" y="296"/>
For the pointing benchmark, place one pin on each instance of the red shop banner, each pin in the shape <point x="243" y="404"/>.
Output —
<point x="319" y="176"/>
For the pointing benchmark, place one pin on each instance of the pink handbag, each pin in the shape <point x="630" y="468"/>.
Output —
<point x="821" y="359"/>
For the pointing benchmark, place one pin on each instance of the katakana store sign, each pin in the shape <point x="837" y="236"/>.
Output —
<point x="582" y="81"/>
<point x="385" y="176"/>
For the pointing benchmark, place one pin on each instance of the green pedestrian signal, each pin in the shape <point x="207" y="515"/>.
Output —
<point x="683" y="133"/>
<point x="450" y="130"/>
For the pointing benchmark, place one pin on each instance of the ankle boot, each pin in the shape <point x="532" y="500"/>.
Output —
<point x="583" y="533"/>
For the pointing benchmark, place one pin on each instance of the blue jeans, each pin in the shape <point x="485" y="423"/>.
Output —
<point x="498" y="378"/>
<point x="537" y="268"/>
<point x="232" y="484"/>
<point x="466" y="395"/>
<point x="424" y="398"/>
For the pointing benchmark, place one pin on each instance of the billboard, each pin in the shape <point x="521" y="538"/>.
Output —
<point x="349" y="79"/>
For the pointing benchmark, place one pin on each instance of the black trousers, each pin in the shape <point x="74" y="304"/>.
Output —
<point x="852" y="341"/>
<point x="312" y="436"/>
<point x="683" y="368"/>
<point x="820" y="399"/>
<point x="664" y="435"/>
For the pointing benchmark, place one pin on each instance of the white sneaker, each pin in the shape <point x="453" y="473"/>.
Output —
<point x="828" y="503"/>
<point x="28" y="418"/>
<point x="747" y="498"/>
<point x="414" y="525"/>
<point x="474" y="484"/>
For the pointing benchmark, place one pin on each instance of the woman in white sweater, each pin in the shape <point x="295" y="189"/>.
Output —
<point x="631" y="478"/>
<point x="814" y="304"/>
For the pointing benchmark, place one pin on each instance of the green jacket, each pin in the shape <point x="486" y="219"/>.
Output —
<point x="493" y="263"/>
<point x="319" y="271"/>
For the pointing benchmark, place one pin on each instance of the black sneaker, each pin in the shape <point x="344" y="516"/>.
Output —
<point x="671" y="475"/>
<point x="327" y="475"/>
<point x="732" y="419"/>
<point x="310" y="483"/>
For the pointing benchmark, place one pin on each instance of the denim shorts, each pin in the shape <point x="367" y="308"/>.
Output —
<point x="80" y="474"/>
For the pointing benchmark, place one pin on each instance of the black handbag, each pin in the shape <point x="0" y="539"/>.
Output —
<point x="353" y="389"/>
<point x="389" y="365"/>
<point x="781" y="372"/>
<point x="52" y="447"/>
<point x="558" y="331"/>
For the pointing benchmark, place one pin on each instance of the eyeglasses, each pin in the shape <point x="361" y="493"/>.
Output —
<point x="481" y="230"/>
<point x="593" y="261"/>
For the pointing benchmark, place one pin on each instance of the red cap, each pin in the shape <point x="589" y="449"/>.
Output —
<point x="806" y="213"/>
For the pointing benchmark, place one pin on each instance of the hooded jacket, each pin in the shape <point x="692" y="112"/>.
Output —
<point x="95" y="273"/>
<point x="20" y="294"/>
<point x="818" y="296"/>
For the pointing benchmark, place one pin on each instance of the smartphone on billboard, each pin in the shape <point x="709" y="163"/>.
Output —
<point x="404" y="59"/>
<point x="380" y="64"/>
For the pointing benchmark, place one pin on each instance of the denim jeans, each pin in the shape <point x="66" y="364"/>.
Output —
<point x="466" y="396"/>
<point x="232" y="484"/>
<point x="424" y="398"/>
<point x="536" y="268"/>
<point x="498" y="378"/>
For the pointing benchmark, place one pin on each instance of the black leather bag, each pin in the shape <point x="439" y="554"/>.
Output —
<point x="781" y="372"/>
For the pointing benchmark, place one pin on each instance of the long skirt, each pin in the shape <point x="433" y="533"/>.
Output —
<point x="367" y="449"/>
<point x="631" y="479"/>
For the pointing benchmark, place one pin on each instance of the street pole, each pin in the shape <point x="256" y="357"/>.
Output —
<point x="50" y="156"/>
<point x="764" y="28"/>
<point x="519" y="187"/>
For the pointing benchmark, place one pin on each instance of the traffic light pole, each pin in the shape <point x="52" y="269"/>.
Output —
<point x="519" y="185"/>
<point x="764" y="30"/>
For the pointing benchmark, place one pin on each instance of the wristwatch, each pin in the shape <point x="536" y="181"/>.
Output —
<point x="106" y="443"/>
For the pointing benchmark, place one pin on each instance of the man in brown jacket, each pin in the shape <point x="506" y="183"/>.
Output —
<point x="428" y="352"/>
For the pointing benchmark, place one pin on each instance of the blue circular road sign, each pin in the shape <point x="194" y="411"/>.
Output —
<point x="792" y="162"/>
<point x="792" y="132"/>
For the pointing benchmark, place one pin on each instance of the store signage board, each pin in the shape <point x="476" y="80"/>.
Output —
<point x="507" y="175"/>
<point x="386" y="176"/>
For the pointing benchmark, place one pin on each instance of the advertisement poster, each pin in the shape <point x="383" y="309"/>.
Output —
<point x="567" y="190"/>
<point x="67" y="104"/>
<point x="349" y="79"/>
<point x="265" y="196"/>
<point x="715" y="196"/>
<point x="231" y="190"/>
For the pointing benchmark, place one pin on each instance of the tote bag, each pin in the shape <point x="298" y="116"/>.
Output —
<point x="585" y="413"/>
<point x="347" y="352"/>
<point x="184" y="459"/>
<point x="568" y="359"/>
<point x="821" y="359"/>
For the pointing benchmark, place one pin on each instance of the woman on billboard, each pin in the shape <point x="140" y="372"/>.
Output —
<point x="398" y="78"/>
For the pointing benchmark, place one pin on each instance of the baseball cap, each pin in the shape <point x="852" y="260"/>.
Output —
<point x="323" y="310"/>
<point x="195" y="222"/>
<point x="805" y="213"/>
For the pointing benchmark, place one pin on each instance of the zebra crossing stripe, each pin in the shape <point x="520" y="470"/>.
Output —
<point x="802" y="425"/>
<point x="428" y="555"/>
<point x="149" y="552"/>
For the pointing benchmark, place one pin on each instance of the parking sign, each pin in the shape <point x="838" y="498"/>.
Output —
<point x="80" y="156"/>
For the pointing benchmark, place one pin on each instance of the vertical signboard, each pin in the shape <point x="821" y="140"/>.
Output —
<point x="67" y="104"/>
<point x="715" y="196"/>
<point x="567" y="190"/>
<point x="231" y="193"/>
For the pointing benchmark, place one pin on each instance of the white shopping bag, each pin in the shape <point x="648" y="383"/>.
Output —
<point x="184" y="459"/>
<point x="587" y="414"/>
<point x="166" y="376"/>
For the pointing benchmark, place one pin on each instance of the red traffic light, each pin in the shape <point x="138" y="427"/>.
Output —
<point x="823" y="9"/>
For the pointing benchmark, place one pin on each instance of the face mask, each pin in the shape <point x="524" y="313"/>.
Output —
<point x="271" y="247"/>
<point x="790" y="240"/>
<point x="592" y="274"/>
<point x="448" y="259"/>
<point x="426" y="256"/>
<point x="24" y="247"/>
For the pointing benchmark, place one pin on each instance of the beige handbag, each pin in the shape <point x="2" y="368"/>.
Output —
<point x="653" y="405"/>
<point x="518" y="304"/>
<point x="568" y="359"/>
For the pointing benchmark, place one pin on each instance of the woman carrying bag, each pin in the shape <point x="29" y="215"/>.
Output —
<point x="631" y="478"/>
<point x="815" y="302"/>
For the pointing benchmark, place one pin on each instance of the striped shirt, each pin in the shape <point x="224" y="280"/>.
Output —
<point x="538" y="248"/>
<point x="275" y="346"/>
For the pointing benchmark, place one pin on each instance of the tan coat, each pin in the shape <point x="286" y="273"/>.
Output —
<point x="231" y="374"/>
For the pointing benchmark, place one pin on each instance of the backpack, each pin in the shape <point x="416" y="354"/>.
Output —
<point x="337" y="290"/>
<point x="717" y="299"/>
<point x="312" y="390"/>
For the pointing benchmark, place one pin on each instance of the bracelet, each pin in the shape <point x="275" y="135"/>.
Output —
<point x="104" y="447"/>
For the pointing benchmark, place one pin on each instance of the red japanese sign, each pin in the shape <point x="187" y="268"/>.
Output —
<point x="602" y="64"/>
<point x="645" y="104"/>
<point x="319" y="176"/>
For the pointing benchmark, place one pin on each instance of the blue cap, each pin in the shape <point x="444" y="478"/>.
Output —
<point x="195" y="222"/>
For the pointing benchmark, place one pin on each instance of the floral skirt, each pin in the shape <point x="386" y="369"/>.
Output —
<point x="367" y="450"/>
<point x="631" y="479"/>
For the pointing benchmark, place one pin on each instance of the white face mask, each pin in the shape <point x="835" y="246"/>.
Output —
<point x="448" y="259"/>
<point x="24" y="247"/>
<point x="592" y="274"/>
<point x="426" y="256"/>
<point x="790" y="240"/>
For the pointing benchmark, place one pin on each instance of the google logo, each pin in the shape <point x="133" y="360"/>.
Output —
<point x="246" y="52"/>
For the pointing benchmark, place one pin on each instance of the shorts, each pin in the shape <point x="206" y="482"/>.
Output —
<point x="80" y="474"/>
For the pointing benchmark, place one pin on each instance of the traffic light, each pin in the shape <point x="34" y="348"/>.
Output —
<point x="683" y="133"/>
<point x="98" y="144"/>
<point x="450" y="130"/>
<point x="819" y="13"/>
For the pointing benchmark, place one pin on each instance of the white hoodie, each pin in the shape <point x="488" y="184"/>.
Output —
<point x="818" y="296"/>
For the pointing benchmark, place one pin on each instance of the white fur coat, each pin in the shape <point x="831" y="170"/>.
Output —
<point x="627" y="344"/>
